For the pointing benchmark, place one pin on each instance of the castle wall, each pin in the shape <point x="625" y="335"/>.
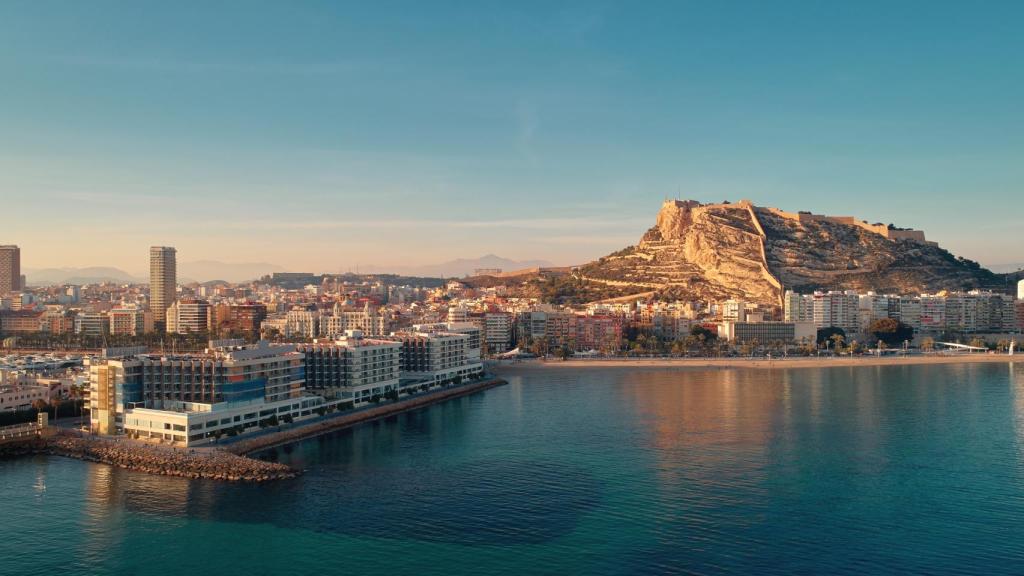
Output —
<point x="880" y="229"/>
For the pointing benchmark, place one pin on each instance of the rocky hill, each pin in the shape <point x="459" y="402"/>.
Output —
<point x="722" y="251"/>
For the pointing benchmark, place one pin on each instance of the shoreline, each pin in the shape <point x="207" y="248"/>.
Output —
<point x="757" y="363"/>
<point x="244" y="447"/>
<point x="226" y="462"/>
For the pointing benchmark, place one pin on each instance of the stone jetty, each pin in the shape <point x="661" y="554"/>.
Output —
<point x="166" y="460"/>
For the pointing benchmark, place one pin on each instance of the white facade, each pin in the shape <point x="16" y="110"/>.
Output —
<point x="92" y="323"/>
<point x="22" y="397"/>
<point x="837" y="309"/>
<point x="734" y="311"/>
<point x="302" y="323"/>
<point x="798" y="307"/>
<point x="197" y="424"/>
<point x="497" y="331"/>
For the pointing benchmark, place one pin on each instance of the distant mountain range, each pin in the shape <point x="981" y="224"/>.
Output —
<point x="188" y="272"/>
<point x="209" y="270"/>
<point x="456" y="268"/>
<point x="88" y="275"/>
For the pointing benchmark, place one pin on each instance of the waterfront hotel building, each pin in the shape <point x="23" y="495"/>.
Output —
<point x="192" y="399"/>
<point x="352" y="368"/>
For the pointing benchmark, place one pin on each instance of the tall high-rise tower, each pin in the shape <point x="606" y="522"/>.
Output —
<point x="163" y="280"/>
<point x="10" y="269"/>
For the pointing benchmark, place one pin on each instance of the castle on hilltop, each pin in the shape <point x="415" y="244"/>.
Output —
<point x="887" y="231"/>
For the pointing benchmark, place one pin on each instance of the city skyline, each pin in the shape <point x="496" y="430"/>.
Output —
<point x="331" y="138"/>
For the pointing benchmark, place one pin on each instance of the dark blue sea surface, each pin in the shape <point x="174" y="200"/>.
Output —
<point x="867" y="470"/>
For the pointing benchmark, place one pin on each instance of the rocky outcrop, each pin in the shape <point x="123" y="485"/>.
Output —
<point x="715" y="252"/>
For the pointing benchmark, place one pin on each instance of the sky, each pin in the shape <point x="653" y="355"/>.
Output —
<point x="323" y="136"/>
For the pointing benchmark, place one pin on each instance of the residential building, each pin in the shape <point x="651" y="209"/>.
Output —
<point x="20" y="321"/>
<point x="163" y="281"/>
<point x="530" y="326"/>
<point x="838" y="310"/>
<point x="497" y="332"/>
<point x="798" y="307"/>
<point x="369" y="320"/>
<point x="92" y="323"/>
<point x="601" y="333"/>
<point x="241" y="318"/>
<point x="435" y="357"/>
<point x="130" y="321"/>
<point x="57" y="321"/>
<point x="188" y="316"/>
<point x="10" y="269"/>
<point x="734" y="310"/>
<point x="871" y="307"/>
<point x="302" y="323"/>
<point x="21" y="397"/>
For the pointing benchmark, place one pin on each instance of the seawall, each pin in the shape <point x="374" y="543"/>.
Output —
<point x="344" y="420"/>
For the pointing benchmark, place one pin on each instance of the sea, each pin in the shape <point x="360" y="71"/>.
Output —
<point x="853" y="470"/>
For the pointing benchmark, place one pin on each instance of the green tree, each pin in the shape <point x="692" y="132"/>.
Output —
<point x="891" y="331"/>
<point x="825" y="335"/>
<point x="838" y="340"/>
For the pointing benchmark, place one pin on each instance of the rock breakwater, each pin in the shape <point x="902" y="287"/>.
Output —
<point x="168" y="461"/>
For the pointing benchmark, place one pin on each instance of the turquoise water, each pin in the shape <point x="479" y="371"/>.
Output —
<point x="916" y="469"/>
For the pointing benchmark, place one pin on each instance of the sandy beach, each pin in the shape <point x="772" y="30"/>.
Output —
<point x="759" y="363"/>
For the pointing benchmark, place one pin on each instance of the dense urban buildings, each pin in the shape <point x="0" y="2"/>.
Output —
<point x="163" y="281"/>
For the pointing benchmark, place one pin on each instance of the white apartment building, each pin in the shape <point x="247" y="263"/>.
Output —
<point x="21" y="397"/>
<point x="734" y="311"/>
<point x="92" y="323"/>
<point x="302" y="323"/>
<point x="871" y="307"/>
<point x="837" y="309"/>
<point x="368" y="320"/>
<point x="798" y="307"/>
<point x="188" y="316"/>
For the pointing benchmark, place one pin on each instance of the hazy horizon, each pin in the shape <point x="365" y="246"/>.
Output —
<point x="333" y="137"/>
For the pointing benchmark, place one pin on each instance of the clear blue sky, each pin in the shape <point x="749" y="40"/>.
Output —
<point x="318" y="135"/>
